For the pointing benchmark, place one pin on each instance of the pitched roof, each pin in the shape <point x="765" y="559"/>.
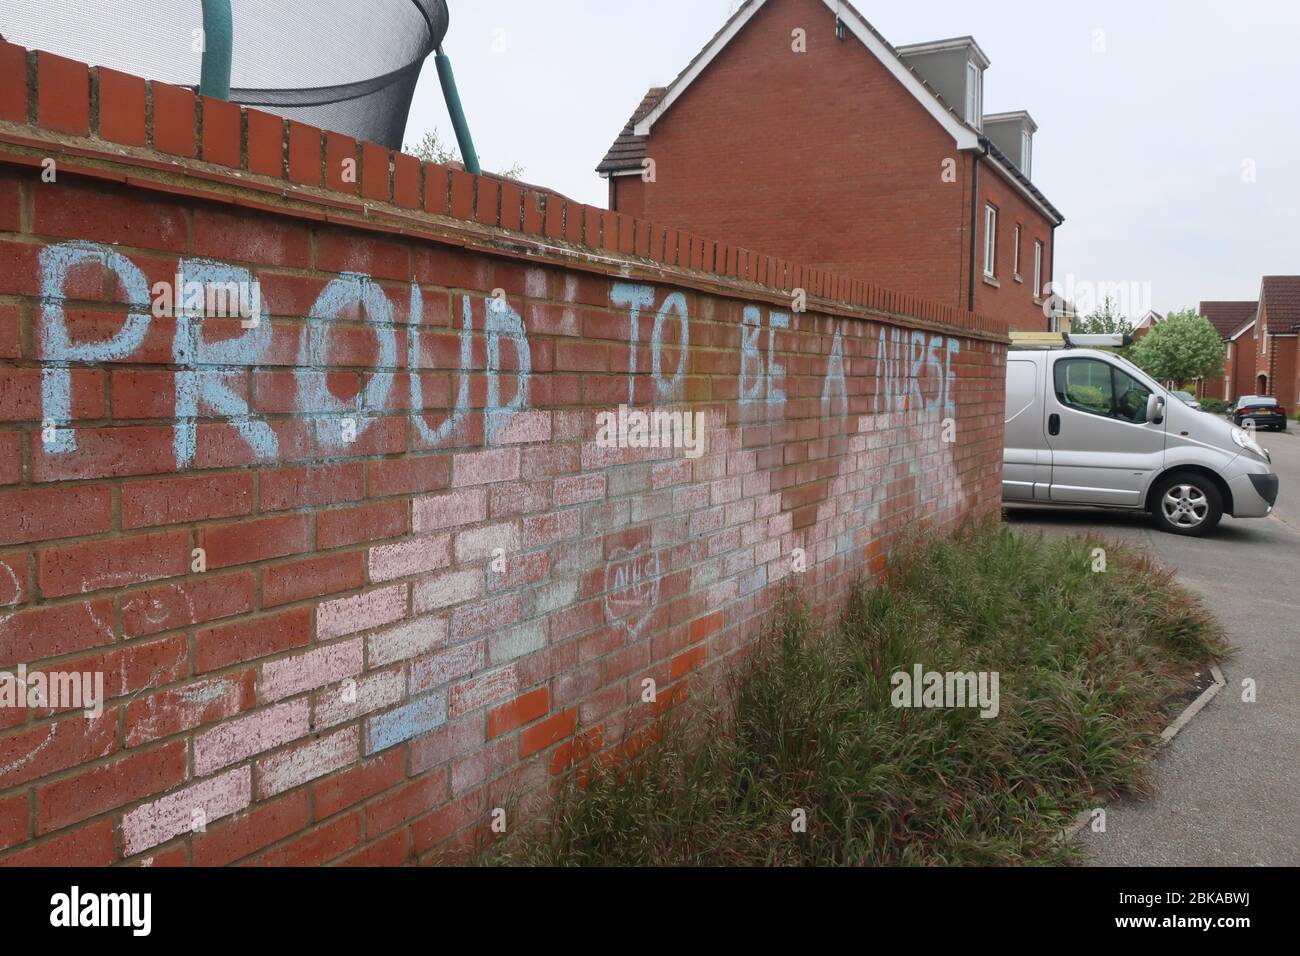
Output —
<point x="1280" y="297"/>
<point x="1228" y="317"/>
<point x="1242" y="329"/>
<point x="1009" y="168"/>
<point x="630" y="148"/>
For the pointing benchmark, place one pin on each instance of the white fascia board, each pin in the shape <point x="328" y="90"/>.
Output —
<point x="1244" y="329"/>
<point x="1014" y="181"/>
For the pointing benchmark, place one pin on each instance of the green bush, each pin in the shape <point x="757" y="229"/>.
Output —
<point x="1090" y="665"/>
<point x="1088" y="396"/>
<point x="1215" y="406"/>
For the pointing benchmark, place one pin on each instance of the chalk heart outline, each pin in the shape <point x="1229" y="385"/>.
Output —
<point x="631" y="588"/>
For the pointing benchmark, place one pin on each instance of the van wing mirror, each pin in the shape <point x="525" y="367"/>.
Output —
<point x="1155" y="410"/>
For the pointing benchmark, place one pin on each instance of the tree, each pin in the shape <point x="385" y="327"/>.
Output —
<point x="432" y="149"/>
<point x="1182" y="348"/>
<point x="1104" y="321"/>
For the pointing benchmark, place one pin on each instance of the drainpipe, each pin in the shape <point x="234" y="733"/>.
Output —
<point x="468" y="155"/>
<point x="218" y="49"/>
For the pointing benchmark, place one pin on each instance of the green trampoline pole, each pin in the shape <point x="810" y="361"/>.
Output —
<point x="468" y="154"/>
<point x="218" y="48"/>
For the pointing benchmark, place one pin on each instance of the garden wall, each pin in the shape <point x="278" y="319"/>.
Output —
<point x="352" y="563"/>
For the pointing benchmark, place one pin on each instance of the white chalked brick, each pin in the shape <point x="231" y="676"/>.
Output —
<point x="338" y="705"/>
<point x="505" y="646"/>
<point x="482" y="542"/>
<point x="448" y="589"/>
<point x="284" y="771"/>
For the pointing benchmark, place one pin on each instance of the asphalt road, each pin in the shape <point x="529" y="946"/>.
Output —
<point x="1227" y="790"/>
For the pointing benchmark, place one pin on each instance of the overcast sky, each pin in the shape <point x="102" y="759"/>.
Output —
<point x="1144" y="146"/>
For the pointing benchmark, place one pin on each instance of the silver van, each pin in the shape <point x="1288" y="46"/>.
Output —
<point x="1087" y="428"/>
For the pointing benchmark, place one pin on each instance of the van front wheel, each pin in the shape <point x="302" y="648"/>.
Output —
<point x="1188" y="504"/>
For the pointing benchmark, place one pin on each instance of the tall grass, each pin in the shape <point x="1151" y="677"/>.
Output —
<point x="1089" y="663"/>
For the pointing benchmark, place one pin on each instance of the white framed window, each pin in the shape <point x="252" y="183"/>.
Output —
<point x="974" y="96"/>
<point x="990" y="240"/>
<point x="1027" y="154"/>
<point x="1015" y="253"/>
<point x="1038" y="270"/>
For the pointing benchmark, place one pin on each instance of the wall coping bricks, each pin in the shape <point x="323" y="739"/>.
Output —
<point x="276" y="174"/>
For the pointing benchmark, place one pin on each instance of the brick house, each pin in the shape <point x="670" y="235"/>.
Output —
<point x="1239" y="361"/>
<point x="1234" y="321"/>
<point x="799" y="129"/>
<point x="1277" y="371"/>
<point x="1147" y="323"/>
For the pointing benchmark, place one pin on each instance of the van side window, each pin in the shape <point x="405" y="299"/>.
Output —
<point x="1130" y="397"/>
<point x="1100" y="388"/>
<point x="1085" y="384"/>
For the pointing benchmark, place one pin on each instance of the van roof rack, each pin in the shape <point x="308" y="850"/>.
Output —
<point x="1066" y="340"/>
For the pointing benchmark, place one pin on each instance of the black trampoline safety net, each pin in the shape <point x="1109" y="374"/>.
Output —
<point x="351" y="67"/>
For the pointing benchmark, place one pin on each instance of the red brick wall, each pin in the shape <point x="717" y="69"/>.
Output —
<point x="1011" y="298"/>
<point x="824" y="157"/>
<point x="1284" y="385"/>
<point x="278" y="543"/>
<point x="1276" y="357"/>
<point x="1241" y="365"/>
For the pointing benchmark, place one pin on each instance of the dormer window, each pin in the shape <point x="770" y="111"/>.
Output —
<point x="1027" y="154"/>
<point x="974" y="96"/>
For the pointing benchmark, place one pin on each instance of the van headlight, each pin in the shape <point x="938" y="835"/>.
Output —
<point x="1243" y="440"/>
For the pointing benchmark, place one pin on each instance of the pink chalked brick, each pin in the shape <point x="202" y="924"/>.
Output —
<point x="450" y="665"/>
<point x="186" y="810"/>
<point x="485" y="467"/>
<point x="483" y="690"/>
<point x="448" y="511"/>
<point x="547" y="529"/>
<point x="244" y="737"/>
<point x="408" y="558"/>
<point x="307" y="671"/>
<point x="524" y="428"/>
<point x="578" y="489"/>
<point x="474" y="619"/>
<point x="361" y="613"/>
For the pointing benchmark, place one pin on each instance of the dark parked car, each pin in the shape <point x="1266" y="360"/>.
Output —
<point x="1263" y="411"/>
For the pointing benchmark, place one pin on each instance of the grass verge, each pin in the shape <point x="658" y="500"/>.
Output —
<point x="1089" y="665"/>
